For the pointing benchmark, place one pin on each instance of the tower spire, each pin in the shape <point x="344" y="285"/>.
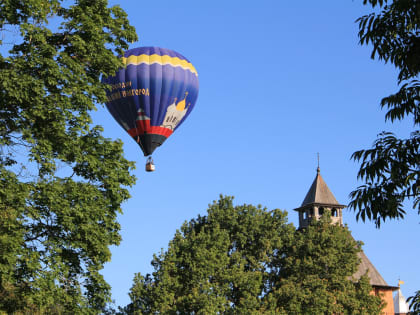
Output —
<point x="318" y="170"/>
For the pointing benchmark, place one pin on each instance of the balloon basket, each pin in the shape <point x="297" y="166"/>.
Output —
<point x="150" y="166"/>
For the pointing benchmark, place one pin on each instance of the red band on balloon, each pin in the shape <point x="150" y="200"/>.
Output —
<point x="143" y="126"/>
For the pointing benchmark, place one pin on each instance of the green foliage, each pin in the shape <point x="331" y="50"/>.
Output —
<point x="314" y="275"/>
<point x="414" y="303"/>
<point x="62" y="182"/>
<point x="390" y="169"/>
<point x="247" y="260"/>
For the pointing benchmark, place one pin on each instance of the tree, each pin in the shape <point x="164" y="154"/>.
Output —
<point x="247" y="260"/>
<point x="390" y="169"/>
<point x="314" y="274"/>
<point x="61" y="182"/>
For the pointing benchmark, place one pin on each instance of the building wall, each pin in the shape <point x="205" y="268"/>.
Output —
<point x="386" y="295"/>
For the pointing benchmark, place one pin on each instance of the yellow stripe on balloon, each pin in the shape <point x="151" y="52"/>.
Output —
<point x="162" y="60"/>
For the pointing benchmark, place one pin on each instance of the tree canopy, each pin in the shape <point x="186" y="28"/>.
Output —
<point x="61" y="182"/>
<point x="248" y="260"/>
<point x="390" y="169"/>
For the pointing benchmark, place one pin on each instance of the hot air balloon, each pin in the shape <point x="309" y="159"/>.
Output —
<point x="152" y="96"/>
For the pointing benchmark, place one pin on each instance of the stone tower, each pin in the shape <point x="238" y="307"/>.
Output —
<point x="319" y="199"/>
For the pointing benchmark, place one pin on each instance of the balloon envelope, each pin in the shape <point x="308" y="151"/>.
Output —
<point x="152" y="96"/>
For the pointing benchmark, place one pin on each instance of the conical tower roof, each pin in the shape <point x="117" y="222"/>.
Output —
<point x="320" y="194"/>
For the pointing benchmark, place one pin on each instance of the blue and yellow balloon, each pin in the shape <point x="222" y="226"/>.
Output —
<point x="153" y="95"/>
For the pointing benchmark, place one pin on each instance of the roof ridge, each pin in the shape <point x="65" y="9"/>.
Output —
<point x="366" y="266"/>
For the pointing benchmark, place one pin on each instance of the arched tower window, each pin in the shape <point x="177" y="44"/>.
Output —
<point x="312" y="211"/>
<point x="334" y="212"/>
<point x="321" y="210"/>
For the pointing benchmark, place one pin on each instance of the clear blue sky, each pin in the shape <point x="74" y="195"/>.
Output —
<point x="279" y="82"/>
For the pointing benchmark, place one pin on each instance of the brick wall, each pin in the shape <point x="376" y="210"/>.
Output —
<point x="386" y="295"/>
